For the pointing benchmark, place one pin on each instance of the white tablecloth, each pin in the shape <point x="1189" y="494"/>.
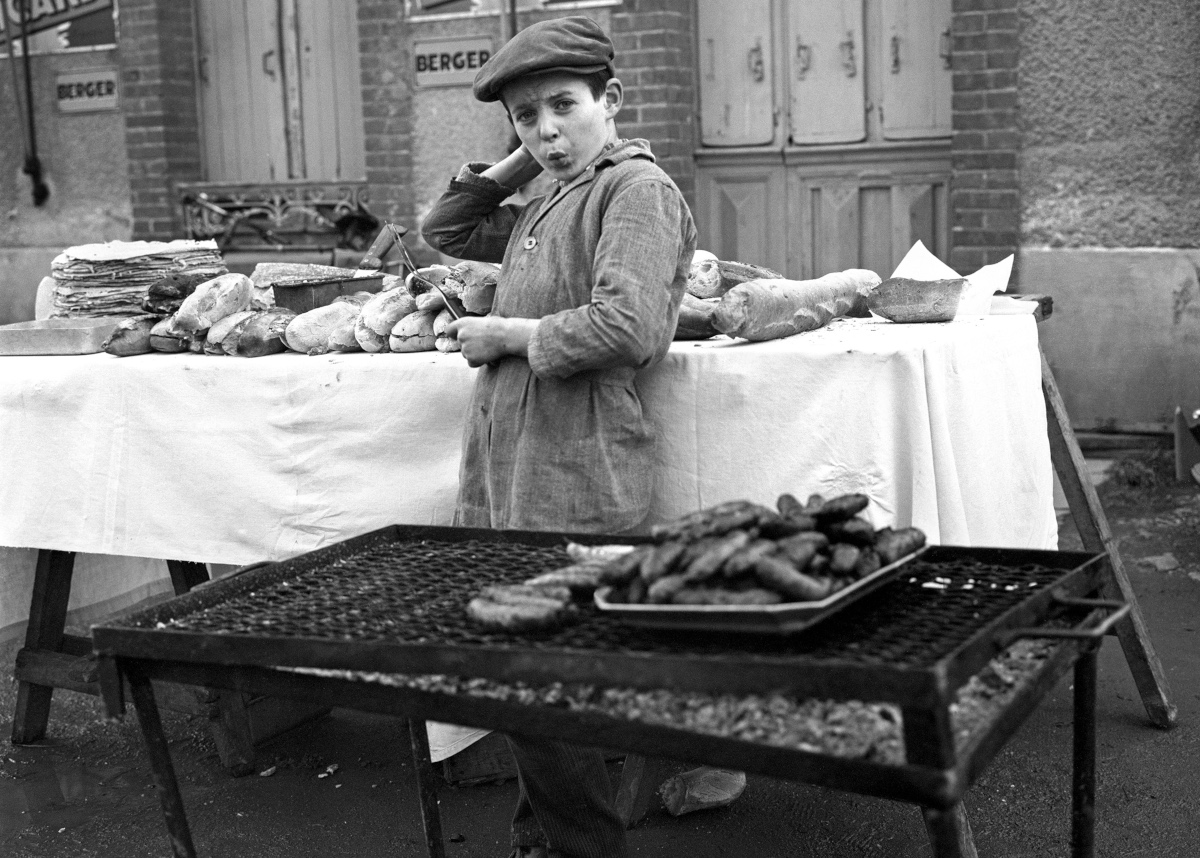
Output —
<point x="229" y="460"/>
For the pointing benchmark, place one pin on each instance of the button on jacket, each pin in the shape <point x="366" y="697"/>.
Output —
<point x="559" y="441"/>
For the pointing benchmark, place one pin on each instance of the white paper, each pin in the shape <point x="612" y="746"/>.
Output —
<point x="920" y="264"/>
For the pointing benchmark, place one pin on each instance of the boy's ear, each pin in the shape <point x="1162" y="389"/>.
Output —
<point x="614" y="97"/>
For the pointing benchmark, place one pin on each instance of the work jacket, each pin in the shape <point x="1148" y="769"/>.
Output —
<point x="558" y="441"/>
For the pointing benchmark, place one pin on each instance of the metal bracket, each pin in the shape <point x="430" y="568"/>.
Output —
<point x="1093" y="633"/>
<point x="848" y="61"/>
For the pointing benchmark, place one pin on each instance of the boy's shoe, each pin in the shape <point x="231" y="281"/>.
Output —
<point x="529" y="852"/>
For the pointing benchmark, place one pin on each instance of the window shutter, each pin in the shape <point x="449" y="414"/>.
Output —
<point x="827" y="75"/>
<point x="736" y="78"/>
<point x="916" y="69"/>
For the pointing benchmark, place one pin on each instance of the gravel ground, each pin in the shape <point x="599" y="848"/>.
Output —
<point x="86" y="790"/>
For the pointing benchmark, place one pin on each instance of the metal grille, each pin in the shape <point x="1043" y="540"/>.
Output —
<point x="415" y="592"/>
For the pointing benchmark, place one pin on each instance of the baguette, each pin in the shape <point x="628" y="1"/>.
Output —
<point x="768" y="309"/>
<point x="695" y="318"/>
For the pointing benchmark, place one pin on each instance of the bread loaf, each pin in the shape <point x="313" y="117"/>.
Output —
<point x="165" y="336"/>
<point x="475" y="285"/>
<point x="442" y="342"/>
<point x="309" y="332"/>
<point x="220" y="329"/>
<point x="704" y="278"/>
<point x="732" y="273"/>
<point x="769" y="309"/>
<point x="414" y="333"/>
<point x="368" y="340"/>
<point x="261" y="334"/>
<point x="212" y="301"/>
<point x="131" y="336"/>
<point x="435" y="274"/>
<point x="384" y="310"/>
<point x="695" y="318"/>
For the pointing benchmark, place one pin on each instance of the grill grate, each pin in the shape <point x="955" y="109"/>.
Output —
<point x="415" y="592"/>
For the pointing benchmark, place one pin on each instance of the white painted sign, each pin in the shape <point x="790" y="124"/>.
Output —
<point x="450" y="62"/>
<point x="83" y="91"/>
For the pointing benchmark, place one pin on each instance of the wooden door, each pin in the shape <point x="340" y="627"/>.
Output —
<point x="737" y="102"/>
<point x="916" y="76"/>
<point x="331" y="90"/>
<point x="280" y="95"/>
<point x="742" y="213"/>
<point x="241" y="91"/>
<point x="856" y="214"/>
<point x="827" y="73"/>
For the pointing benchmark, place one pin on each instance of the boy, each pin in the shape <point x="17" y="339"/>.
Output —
<point x="589" y="292"/>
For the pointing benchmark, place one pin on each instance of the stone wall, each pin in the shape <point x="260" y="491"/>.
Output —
<point x="1110" y="118"/>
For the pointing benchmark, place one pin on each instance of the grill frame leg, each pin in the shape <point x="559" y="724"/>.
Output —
<point x="949" y="832"/>
<point x="427" y="788"/>
<point x="142" y="693"/>
<point x="1083" y="741"/>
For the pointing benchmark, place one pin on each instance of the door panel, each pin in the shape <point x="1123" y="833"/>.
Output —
<point x="741" y="214"/>
<point x="241" y="90"/>
<point x="916" y="83"/>
<point x="834" y="215"/>
<point x="736" y="73"/>
<point x="827" y="78"/>
<point x="280" y="96"/>
<point x="869" y="220"/>
<point x="331" y="93"/>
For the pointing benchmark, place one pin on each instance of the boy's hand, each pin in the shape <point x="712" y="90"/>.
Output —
<point x="485" y="339"/>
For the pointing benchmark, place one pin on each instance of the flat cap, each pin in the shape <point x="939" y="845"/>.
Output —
<point x="573" y="44"/>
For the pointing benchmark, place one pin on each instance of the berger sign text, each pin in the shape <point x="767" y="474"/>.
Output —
<point x="450" y="62"/>
<point x="80" y="91"/>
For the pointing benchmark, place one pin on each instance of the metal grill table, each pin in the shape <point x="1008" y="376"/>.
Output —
<point x="377" y="623"/>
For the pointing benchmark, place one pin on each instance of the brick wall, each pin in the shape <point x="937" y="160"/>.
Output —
<point x="387" y="95"/>
<point x="984" y="196"/>
<point x="158" y="96"/>
<point x="655" y="44"/>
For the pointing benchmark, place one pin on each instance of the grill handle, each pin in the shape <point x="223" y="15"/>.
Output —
<point x="1117" y="608"/>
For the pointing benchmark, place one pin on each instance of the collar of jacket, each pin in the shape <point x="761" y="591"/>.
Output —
<point x="624" y="150"/>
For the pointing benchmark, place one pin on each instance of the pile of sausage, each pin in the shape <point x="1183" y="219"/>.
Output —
<point x="741" y="553"/>
<point x="736" y="553"/>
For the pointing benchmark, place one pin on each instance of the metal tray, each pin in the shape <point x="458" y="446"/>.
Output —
<point x="57" y="336"/>
<point x="782" y="619"/>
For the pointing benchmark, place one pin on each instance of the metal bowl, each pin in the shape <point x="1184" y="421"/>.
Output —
<point x="903" y="300"/>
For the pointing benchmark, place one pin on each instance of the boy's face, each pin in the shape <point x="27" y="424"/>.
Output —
<point x="563" y="126"/>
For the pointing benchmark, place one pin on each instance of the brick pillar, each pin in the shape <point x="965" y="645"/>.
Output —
<point x="984" y="195"/>
<point x="656" y="60"/>
<point x="158" y="97"/>
<point x="384" y="46"/>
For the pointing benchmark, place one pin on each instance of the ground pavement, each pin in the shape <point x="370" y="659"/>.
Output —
<point x="86" y="791"/>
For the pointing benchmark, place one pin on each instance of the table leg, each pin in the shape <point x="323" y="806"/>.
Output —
<point x="949" y="832"/>
<point x="1083" y="792"/>
<point x="229" y="720"/>
<point x="427" y="788"/>
<point x="1092" y="524"/>
<point x="185" y="575"/>
<point x="142" y="694"/>
<point x="47" y="618"/>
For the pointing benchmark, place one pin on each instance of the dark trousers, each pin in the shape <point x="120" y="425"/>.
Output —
<point x="565" y="800"/>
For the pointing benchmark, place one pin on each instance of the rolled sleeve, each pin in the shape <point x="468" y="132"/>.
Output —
<point x="468" y="220"/>
<point x="636" y="290"/>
